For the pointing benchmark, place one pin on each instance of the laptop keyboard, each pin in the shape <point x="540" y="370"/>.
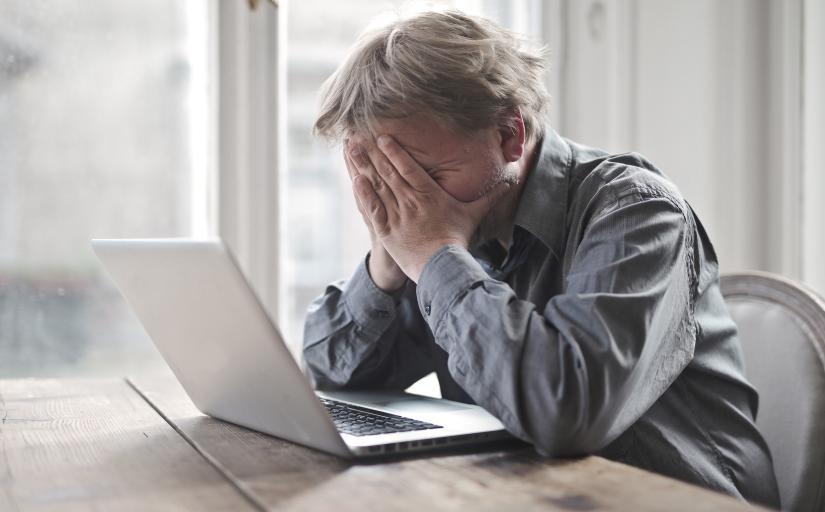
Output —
<point x="361" y="421"/>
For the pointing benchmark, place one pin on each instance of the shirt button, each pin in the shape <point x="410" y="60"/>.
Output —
<point x="427" y="309"/>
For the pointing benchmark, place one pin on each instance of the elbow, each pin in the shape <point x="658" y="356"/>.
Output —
<point x="571" y="431"/>
<point x="564" y="441"/>
<point x="320" y="371"/>
<point x="568" y="445"/>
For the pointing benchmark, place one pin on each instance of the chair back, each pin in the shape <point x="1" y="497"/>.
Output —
<point x="782" y="331"/>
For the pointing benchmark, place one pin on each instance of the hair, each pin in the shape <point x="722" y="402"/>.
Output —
<point x="462" y="70"/>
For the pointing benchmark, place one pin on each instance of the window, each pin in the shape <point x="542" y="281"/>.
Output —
<point x="103" y="133"/>
<point x="109" y="128"/>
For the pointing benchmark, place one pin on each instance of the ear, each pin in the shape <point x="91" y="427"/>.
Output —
<point x="512" y="134"/>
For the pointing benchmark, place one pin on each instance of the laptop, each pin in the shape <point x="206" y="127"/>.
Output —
<point x="230" y="358"/>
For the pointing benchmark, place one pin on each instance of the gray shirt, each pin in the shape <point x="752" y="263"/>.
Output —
<point x="602" y="329"/>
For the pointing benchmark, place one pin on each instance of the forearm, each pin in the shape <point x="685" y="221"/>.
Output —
<point x="358" y="336"/>
<point x="568" y="379"/>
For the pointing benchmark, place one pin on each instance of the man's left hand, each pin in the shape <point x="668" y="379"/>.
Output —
<point x="413" y="216"/>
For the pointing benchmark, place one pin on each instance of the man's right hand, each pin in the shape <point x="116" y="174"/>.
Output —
<point x="385" y="273"/>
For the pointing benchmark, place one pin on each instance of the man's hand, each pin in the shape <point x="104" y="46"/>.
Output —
<point x="410" y="213"/>
<point x="383" y="270"/>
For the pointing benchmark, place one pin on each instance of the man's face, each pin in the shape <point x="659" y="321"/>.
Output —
<point x="465" y="166"/>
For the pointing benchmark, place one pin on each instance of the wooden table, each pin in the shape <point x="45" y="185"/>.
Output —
<point x="140" y="444"/>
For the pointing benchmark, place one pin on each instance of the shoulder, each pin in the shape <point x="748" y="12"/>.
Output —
<point x="601" y="182"/>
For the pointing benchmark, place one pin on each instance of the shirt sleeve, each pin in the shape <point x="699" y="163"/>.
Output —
<point x="571" y="378"/>
<point x="358" y="336"/>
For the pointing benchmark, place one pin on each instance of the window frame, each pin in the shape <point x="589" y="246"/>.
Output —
<point x="249" y="130"/>
<point x="812" y="106"/>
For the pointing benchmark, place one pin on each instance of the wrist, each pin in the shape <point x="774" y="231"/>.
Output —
<point x="430" y="251"/>
<point x="384" y="272"/>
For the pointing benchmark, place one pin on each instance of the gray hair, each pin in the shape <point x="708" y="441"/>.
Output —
<point x="462" y="70"/>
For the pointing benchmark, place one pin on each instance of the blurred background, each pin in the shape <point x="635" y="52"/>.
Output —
<point x="112" y="125"/>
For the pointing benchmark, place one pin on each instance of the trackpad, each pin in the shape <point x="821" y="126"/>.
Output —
<point x="420" y="405"/>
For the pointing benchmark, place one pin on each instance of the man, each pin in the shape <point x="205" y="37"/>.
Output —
<point x="571" y="293"/>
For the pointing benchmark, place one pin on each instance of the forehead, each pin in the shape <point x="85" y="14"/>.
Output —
<point x="424" y="137"/>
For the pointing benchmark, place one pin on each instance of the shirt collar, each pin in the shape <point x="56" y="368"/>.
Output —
<point x="542" y="208"/>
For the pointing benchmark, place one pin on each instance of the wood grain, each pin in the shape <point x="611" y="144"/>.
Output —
<point x="286" y="476"/>
<point x="97" y="445"/>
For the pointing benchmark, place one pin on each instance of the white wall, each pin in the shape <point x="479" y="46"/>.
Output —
<point x="711" y="92"/>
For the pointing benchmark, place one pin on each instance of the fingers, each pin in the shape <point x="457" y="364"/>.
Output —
<point x="353" y="174"/>
<point x="388" y="171"/>
<point x="365" y="167"/>
<point x="374" y="208"/>
<point x="408" y="169"/>
<point x="351" y="170"/>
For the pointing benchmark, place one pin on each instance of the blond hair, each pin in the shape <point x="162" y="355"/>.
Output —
<point x="463" y="70"/>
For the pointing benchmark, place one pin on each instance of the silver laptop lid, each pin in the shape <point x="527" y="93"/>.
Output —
<point x="211" y="329"/>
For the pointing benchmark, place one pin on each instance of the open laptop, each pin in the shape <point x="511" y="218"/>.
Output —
<point x="212" y="330"/>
